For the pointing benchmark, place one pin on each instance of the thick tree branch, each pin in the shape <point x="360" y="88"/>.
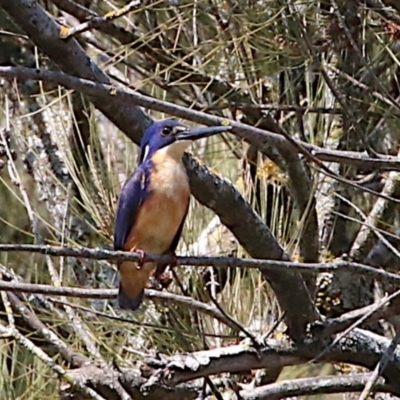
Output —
<point x="359" y="347"/>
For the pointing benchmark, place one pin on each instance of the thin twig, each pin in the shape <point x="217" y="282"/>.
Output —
<point x="368" y="314"/>
<point x="242" y="329"/>
<point x="311" y="386"/>
<point x="217" y="262"/>
<point x="287" y="107"/>
<point x="87" y="310"/>
<point x="39" y="353"/>
<point x="255" y="135"/>
<point x="354" y="325"/>
<point x="380" y="367"/>
<point x="324" y="329"/>
<point x="112" y="294"/>
<point x="98" y="22"/>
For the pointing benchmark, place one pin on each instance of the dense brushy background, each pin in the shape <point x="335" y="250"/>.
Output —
<point x="327" y="72"/>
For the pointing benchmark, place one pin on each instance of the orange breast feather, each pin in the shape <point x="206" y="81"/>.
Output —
<point x="160" y="216"/>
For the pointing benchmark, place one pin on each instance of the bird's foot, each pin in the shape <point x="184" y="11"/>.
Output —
<point x="142" y="258"/>
<point x="165" y="279"/>
<point x="154" y="283"/>
<point x="174" y="262"/>
<point x="162" y="281"/>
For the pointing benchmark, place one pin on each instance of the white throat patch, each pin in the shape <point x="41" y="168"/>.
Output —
<point x="146" y="152"/>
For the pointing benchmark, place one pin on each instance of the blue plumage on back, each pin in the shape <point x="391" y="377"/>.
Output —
<point x="132" y="195"/>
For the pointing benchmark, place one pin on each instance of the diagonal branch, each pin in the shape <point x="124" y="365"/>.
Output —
<point x="98" y="22"/>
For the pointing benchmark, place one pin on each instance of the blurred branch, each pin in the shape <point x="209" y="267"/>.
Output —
<point x="392" y="3"/>
<point x="303" y="194"/>
<point x="98" y="22"/>
<point x="312" y="386"/>
<point x="217" y="262"/>
<point x="379" y="209"/>
<point x="384" y="11"/>
<point x="287" y="108"/>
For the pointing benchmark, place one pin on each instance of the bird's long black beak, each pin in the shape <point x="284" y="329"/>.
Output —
<point x="199" y="133"/>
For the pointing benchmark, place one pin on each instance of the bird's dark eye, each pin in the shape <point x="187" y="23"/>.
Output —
<point x="167" y="130"/>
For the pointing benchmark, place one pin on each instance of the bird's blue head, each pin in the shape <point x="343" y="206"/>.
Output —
<point x="173" y="136"/>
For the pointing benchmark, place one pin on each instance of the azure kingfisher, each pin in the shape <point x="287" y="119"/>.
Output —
<point x="153" y="204"/>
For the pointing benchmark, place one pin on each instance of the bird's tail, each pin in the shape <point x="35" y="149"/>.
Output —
<point x="132" y="284"/>
<point x="127" y="302"/>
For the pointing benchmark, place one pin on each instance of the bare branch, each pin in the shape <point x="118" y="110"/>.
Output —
<point x="11" y="332"/>
<point x="98" y="22"/>
<point x="386" y="12"/>
<point x="312" y="386"/>
<point x="112" y="294"/>
<point x="217" y="262"/>
<point x="360" y="347"/>
<point x="254" y="135"/>
<point x="74" y="359"/>
<point x="380" y="367"/>
<point x="321" y="329"/>
<point x="384" y="309"/>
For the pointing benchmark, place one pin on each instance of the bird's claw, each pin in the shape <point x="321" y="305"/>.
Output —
<point x="174" y="262"/>
<point x="142" y="258"/>
<point x="161" y="282"/>
<point x="155" y="284"/>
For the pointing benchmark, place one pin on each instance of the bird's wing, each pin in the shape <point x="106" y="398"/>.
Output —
<point x="178" y="235"/>
<point x="132" y="195"/>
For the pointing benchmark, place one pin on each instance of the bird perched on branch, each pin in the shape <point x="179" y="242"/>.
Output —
<point x="153" y="204"/>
